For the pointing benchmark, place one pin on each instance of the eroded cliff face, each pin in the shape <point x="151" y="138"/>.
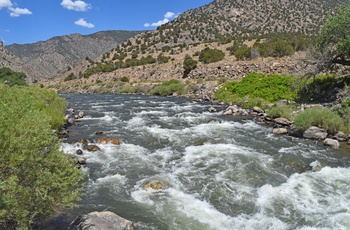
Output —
<point x="9" y="60"/>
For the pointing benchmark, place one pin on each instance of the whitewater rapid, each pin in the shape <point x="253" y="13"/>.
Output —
<point x="221" y="172"/>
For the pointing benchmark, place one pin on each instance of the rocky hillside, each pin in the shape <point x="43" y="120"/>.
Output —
<point x="242" y="19"/>
<point x="44" y="59"/>
<point x="9" y="60"/>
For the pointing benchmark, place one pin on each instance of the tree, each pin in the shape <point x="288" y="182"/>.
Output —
<point x="189" y="64"/>
<point x="36" y="178"/>
<point x="334" y="39"/>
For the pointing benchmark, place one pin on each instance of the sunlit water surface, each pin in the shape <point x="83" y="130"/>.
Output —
<point x="221" y="172"/>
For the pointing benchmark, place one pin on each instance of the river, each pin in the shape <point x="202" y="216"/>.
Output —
<point x="221" y="172"/>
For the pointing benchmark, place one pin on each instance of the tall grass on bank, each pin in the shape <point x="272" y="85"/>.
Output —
<point x="168" y="88"/>
<point x="320" y="117"/>
<point x="36" y="178"/>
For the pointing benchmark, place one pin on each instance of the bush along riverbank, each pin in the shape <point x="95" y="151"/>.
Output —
<point x="289" y="105"/>
<point x="36" y="180"/>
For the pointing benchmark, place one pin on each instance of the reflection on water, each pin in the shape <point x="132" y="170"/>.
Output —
<point x="221" y="172"/>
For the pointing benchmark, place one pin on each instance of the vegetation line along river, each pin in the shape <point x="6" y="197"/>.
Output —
<point x="217" y="172"/>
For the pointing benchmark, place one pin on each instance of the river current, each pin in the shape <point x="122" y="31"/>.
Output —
<point x="221" y="172"/>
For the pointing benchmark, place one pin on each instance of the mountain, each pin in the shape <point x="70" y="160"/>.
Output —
<point x="243" y="19"/>
<point x="45" y="59"/>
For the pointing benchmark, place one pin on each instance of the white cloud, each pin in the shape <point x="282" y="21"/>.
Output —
<point x="5" y="3"/>
<point x="161" y="22"/>
<point x="167" y="17"/>
<point x="83" y="23"/>
<point x="75" y="5"/>
<point x="14" y="12"/>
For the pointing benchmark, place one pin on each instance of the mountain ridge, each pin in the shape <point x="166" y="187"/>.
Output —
<point x="44" y="59"/>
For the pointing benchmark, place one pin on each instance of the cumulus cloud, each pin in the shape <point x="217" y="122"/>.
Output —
<point x="75" y="5"/>
<point x="167" y="17"/>
<point x="5" y="4"/>
<point x="83" y="23"/>
<point x="14" y="12"/>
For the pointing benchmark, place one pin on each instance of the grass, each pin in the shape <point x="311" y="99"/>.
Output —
<point x="320" y="117"/>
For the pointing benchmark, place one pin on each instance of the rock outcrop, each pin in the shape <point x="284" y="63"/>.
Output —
<point x="101" y="221"/>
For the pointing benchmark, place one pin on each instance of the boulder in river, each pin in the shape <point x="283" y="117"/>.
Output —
<point x="212" y="110"/>
<point x="331" y="142"/>
<point x="92" y="148"/>
<point x="314" y="132"/>
<point x="340" y="136"/>
<point x="81" y="114"/>
<point x="279" y="131"/>
<point x="105" y="220"/>
<point x="106" y="140"/>
<point x="79" y="152"/>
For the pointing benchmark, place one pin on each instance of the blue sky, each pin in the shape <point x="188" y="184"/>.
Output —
<point x="29" y="21"/>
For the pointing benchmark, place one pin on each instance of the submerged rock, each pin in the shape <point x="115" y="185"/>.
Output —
<point x="101" y="220"/>
<point x="316" y="166"/>
<point x="155" y="184"/>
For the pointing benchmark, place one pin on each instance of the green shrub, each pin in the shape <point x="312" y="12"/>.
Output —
<point x="189" y="64"/>
<point x="168" y="88"/>
<point x="124" y="79"/>
<point x="211" y="55"/>
<point x="269" y="88"/>
<point x="320" y="117"/>
<point x="70" y="77"/>
<point x="321" y="89"/>
<point x="11" y="77"/>
<point x="36" y="178"/>
<point x="243" y="52"/>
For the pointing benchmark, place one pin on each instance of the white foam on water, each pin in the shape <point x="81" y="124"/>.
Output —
<point x="104" y="118"/>
<point x="115" y="183"/>
<point x="201" y="130"/>
<point x="180" y="208"/>
<point x="151" y="112"/>
<point x="136" y="122"/>
<point x="316" y="198"/>
<point x="69" y="148"/>
<point x="196" y="209"/>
